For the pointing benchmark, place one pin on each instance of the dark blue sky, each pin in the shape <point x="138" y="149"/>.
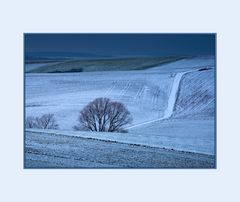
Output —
<point x="123" y="44"/>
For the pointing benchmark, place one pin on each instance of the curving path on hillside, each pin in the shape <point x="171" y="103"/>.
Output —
<point x="171" y="100"/>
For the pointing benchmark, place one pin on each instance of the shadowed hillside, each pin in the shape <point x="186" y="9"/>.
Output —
<point x="116" y="64"/>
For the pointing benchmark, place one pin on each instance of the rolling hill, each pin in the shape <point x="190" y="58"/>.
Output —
<point x="110" y="64"/>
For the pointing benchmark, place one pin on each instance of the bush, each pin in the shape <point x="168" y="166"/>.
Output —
<point x="46" y="121"/>
<point x="30" y="122"/>
<point x="104" y="115"/>
<point x="68" y="71"/>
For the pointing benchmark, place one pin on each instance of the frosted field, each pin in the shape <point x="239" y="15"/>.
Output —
<point x="60" y="151"/>
<point x="149" y="96"/>
<point x="145" y="94"/>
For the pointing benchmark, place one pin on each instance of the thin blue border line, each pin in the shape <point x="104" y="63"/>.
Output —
<point x="118" y="168"/>
<point x="24" y="108"/>
<point x="215" y="118"/>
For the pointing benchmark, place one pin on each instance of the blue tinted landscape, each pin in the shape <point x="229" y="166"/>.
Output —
<point x="120" y="101"/>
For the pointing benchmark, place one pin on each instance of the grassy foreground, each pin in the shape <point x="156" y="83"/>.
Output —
<point x="60" y="151"/>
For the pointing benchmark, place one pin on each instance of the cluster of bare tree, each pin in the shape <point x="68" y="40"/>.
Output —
<point x="101" y="114"/>
<point x="46" y="121"/>
<point x="104" y="115"/>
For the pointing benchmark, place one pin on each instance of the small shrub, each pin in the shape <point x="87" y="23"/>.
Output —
<point x="46" y="121"/>
<point x="30" y="122"/>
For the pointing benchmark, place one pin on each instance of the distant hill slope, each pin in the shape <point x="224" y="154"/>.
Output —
<point x="112" y="64"/>
<point x="61" y="56"/>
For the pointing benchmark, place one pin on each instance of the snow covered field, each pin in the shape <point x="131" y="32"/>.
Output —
<point x="172" y="105"/>
<point x="145" y="94"/>
<point x="60" y="151"/>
